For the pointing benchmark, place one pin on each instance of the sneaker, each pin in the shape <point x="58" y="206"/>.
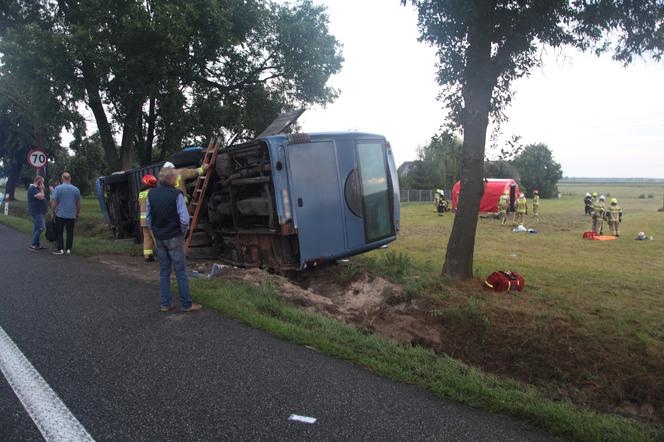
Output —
<point x="33" y="248"/>
<point x="59" y="252"/>
<point x="166" y="309"/>
<point x="193" y="308"/>
<point x="68" y="251"/>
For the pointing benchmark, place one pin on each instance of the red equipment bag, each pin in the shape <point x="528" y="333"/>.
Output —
<point x="590" y="235"/>
<point x="505" y="281"/>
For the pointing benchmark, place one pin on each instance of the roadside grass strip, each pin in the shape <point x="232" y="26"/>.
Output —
<point x="51" y="416"/>
<point x="261" y="308"/>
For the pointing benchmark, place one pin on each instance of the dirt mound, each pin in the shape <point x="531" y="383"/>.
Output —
<point x="368" y="302"/>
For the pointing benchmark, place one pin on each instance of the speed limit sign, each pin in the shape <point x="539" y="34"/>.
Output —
<point x="37" y="158"/>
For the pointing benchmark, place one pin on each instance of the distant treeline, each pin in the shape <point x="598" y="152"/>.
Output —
<point x="569" y="180"/>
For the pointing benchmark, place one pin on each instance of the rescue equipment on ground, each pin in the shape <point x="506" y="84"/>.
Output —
<point x="505" y="281"/>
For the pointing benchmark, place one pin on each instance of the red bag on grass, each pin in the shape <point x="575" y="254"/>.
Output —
<point x="590" y="235"/>
<point x="505" y="281"/>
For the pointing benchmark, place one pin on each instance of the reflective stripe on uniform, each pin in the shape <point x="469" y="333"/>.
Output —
<point x="143" y="194"/>
<point x="147" y="252"/>
<point x="200" y="170"/>
<point x="144" y="216"/>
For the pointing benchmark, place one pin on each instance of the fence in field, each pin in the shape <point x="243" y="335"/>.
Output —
<point x="421" y="195"/>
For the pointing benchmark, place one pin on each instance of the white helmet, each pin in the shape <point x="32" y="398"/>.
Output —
<point x="168" y="165"/>
<point x="587" y="194"/>
<point x="523" y="195"/>
<point x="602" y="197"/>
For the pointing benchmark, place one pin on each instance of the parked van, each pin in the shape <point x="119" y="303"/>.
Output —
<point x="285" y="202"/>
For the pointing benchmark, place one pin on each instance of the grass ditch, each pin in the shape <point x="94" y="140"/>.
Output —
<point x="262" y="308"/>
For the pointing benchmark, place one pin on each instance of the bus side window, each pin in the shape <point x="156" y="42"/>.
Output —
<point x="375" y="191"/>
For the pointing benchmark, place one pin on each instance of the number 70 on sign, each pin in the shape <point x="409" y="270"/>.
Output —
<point x="37" y="158"/>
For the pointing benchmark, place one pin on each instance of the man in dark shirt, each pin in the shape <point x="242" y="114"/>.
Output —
<point x="168" y="218"/>
<point x="37" y="209"/>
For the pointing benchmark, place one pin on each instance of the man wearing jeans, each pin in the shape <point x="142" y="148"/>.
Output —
<point x="37" y="209"/>
<point x="66" y="206"/>
<point x="168" y="218"/>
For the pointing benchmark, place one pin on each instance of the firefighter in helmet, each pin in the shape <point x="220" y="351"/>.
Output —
<point x="536" y="202"/>
<point x="598" y="213"/>
<point x="149" y="182"/>
<point x="615" y="214"/>
<point x="503" y="206"/>
<point x="184" y="175"/>
<point x="521" y="210"/>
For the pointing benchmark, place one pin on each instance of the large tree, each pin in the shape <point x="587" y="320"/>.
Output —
<point x="34" y="107"/>
<point x="538" y="170"/>
<point x="155" y="73"/>
<point x="484" y="45"/>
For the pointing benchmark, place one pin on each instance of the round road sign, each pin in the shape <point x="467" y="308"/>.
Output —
<point x="37" y="158"/>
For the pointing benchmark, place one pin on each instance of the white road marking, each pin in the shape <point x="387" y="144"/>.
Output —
<point x="49" y="413"/>
<point x="305" y="419"/>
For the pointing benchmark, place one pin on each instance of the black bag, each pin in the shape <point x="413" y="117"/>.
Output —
<point x="50" y="230"/>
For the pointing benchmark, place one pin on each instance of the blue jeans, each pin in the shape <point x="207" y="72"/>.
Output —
<point x="171" y="254"/>
<point x="38" y="228"/>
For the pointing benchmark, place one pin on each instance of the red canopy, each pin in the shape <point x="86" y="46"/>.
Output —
<point x="493" y="188"/>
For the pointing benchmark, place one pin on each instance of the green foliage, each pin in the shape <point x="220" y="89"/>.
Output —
<point x="538" y="170"/>
<point x="397" y="264"/>
<point x="438" y="164"/>
<point x="84" y="160"/>
<point x="501" y="169"/>
<point x="163" y="73"/>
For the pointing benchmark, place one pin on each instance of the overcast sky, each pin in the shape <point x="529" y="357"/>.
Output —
<point x="600" y="119"/>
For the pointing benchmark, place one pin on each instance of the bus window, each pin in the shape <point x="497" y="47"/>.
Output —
<point x="375" y="191"/>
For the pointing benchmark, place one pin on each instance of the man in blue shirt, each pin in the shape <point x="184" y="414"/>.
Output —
<point x="37" y="209"/>
<point x="168" y="218"/>
<point x="66" y="206"/>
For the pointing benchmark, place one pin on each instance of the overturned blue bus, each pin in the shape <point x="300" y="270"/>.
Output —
<point x="284" y="202"/>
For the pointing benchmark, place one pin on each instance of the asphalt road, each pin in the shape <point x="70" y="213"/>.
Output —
<point x="129" y="372"/>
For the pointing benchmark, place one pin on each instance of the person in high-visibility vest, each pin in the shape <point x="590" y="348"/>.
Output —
<point x="521" y="210"/>
<point x="615" y="214"/>
<point x="184" y="175"/>
<point x="536" y="202"/>
<point x="149" y="182"/>
<point x="598" y="214"/>
<point x="503" y="206"/>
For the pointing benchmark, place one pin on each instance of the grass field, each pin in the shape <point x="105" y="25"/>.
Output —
<point x="588" y="331"/>
<point x="590" y="324"/>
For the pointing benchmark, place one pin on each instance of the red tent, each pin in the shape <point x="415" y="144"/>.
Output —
<point x="493" y="188"/>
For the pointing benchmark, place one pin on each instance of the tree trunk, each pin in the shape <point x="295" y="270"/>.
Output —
<point x="477" y="90"/>
<point x="129" y="131"/>
<point x="146" y="157"/>
<point x="13" y="175"/>
<point x="103" y="125"/>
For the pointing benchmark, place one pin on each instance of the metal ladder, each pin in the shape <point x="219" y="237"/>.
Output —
<point x="196" y="203"/>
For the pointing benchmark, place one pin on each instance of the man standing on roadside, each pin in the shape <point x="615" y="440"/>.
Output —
<point x="168" y="218"/>
<point x="66" y="206"/>
<point x="37" y="209"/>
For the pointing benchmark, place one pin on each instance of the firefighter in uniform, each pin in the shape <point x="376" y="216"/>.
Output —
<point x="598" y="214"/>
<point x="536" y="202"/>
<point x="503" y="206"/>
<point x="521" y="210"/>
<point x="149" y="182"/>
<point x="615" y="217"/>
<point x="184" y="175"/>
